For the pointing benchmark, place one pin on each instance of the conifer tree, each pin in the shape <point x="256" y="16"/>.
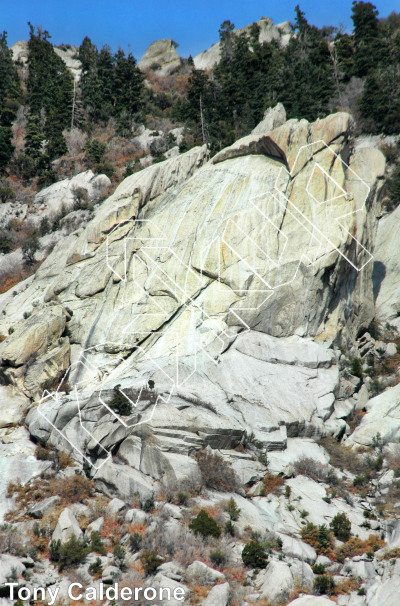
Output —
<point x="49" y="95"/>
<point x="9" y="94"/>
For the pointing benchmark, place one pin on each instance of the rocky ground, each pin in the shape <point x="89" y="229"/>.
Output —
<point x="206" y="366"/>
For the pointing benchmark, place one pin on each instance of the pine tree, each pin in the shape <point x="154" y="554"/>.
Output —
<point x="9" y="94"/>
<point x="367" y="39"/>
<point x="49" y="95"/>
<point x="128" y="87"/>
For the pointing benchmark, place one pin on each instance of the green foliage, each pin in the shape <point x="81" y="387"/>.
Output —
<point x="324" y="585"/>
<point x="393" y="189"/>
<point x="229" y="528"/>
<point x="29" y="247"/>
<point x="341" y="527"/>
<point x="119" y="403"/>
<point x="95" y="150"/>
<point x="112" y="86"/>
<point x="205" y="525"/>
<point x="148" y="505"/>
<point x="71" y="553"/>
<point x="318" y="569"/>
<point x="119" y="556"/>
<point x="5" y="243"/>
<point x="49" y="89"/>
<point x="254" y="556"/>
<point x="218" y="557"/>
<point x="96" y="568"/>
<point x="182" y="498"/>
<point x="7" y="194"/>
<point x="232" y="509"/>
<point x="9" y="95"/>
<point x="135" y="542"/>
<point x="150" y="561"/>
<point x="97" y="544"/>
<point x="356" y="367"/>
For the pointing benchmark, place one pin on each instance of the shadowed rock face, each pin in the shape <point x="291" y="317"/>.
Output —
<point x="248" y="266"/>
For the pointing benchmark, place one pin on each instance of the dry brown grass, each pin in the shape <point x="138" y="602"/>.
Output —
<point x="346" y="586"/>
<point x="272" y="483"/>
<point x="356" y="546"/>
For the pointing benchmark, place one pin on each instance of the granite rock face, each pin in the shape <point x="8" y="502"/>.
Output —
<point x="161" y="56"/>
<point x="224" y="282"/>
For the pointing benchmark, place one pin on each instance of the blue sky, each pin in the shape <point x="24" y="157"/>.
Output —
<point x="135" y="24"/>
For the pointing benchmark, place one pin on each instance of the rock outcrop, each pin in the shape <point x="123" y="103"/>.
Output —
<point x="161" y="56"/>
<point x="267" y="33"/>
<point x="224" y="283"/>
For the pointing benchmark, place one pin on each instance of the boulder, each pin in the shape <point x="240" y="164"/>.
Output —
<point x="310" y="600"/>
<point x="383" y="417"/>
<point x="39" y="509"/>
<point x="9" y="564"/>
<point x="218" y="596"/>
<point x="95" y="526"/>
<point x="161" y="581"/>
<point x="278" y="580"/>
<point x="115" y="506"/>
<point x="12" y="407"/>
<point x="203" y="573"/>
<point x="66" y="527"/>
<point x="161" y="56"/>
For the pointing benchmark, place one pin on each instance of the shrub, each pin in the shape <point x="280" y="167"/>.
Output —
<point x="150" y="561"/>
<point x="393" y="189"/>
<point x="95" y="150"/>
<point x="71" y="553"/>
<point x="324" y="584"/>
<point x="311" y="468"/>
<point x="318" y="537"/>
<point x="119" y="403"/>
<point x="182" y="498"/>
<point x="104" y="168"/>
<point x="318" y="569"/>
<point x="119" y="556"/>
<point x="45" y="226"/>
<point x="148" y="505"/>
<point x="205" y="525"/>
<point x="232" y="509"/>
<point x="229" y="528"/>
<point x="96" y="568"/>
<point x="97" y="544"/>
<point x="218" y="557"/>
<point x="272" y="483"/>
<point x="135" y="541"/>
<point x="74" y="488"/>
<point x="5" y="243"/>
<point x="29" y="248"/>
<point x="6" y="194"/>
<point x="215" y="472"/>
<point x="356" y="367"/>
<point x="341" y="527"/>
<point x="254" y="556"/>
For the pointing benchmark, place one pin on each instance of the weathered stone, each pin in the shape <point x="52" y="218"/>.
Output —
<point x="67" y="527"/>
<point x="200" y="571"/>
<point x="383" y="417"/>
<point x="38" y="510"/>
<point x="161" y="56"/>
<point x="218" y="596"/>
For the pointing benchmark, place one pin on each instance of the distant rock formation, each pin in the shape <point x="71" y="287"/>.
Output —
<point x="161" y="57"/>
<point x="69" y="55"/>
<point x="268" y="32"/>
